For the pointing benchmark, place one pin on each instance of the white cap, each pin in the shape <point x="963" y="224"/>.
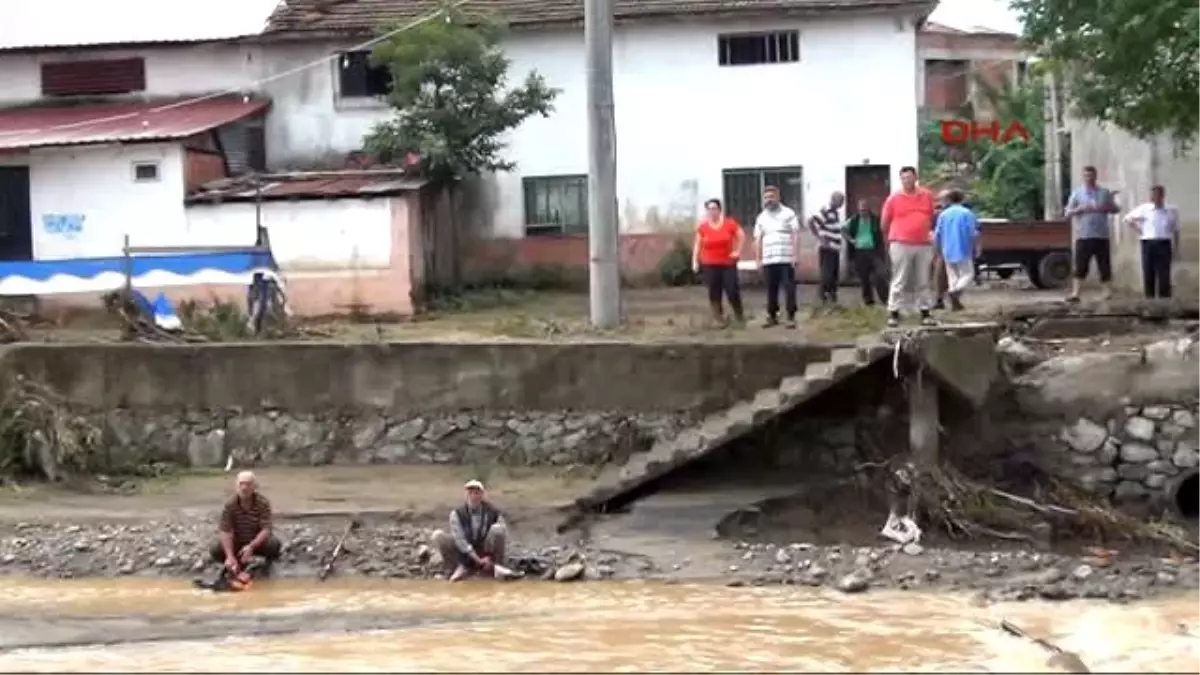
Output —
<point x="473" y="485"/>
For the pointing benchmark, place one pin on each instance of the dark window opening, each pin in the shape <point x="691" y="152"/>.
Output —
<point x="556" y="205"/>
<point x="743" y="188"/>
<point x="145" y="171"/>
<point x="755" y="48"/>
<point x="359" y="78"/>
<point x="94" y="78"/>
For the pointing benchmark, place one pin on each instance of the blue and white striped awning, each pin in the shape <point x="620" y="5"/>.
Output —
<point x="100" y="275"/>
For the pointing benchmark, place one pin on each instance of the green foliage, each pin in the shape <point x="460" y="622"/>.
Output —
<point x="1128" y="62"/>
<point x="1004" y="180"/>
<point x="675" y="268"/>
<point x="451" y="97"/>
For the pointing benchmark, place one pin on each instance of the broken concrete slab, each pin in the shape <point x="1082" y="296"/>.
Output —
<point x="968" y="364"/>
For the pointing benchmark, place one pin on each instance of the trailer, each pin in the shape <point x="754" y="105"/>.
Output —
<point x="1041" y="248"/>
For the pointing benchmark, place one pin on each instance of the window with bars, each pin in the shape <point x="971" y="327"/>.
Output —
<point x="748" y="49"/>
<point x="556" y="204"/>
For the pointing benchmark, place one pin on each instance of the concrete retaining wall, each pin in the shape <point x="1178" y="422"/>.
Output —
<point x="316" y="403"/>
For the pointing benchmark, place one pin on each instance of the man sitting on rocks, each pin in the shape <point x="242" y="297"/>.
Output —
<point x="477" y="538"/>
<point x="245" y="528"/>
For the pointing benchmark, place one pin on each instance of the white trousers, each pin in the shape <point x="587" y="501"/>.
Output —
<point x="959" y="275"/>
<point x="911" y="267"/>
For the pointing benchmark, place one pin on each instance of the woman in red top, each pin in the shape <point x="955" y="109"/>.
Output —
<point x="715" y="255"/>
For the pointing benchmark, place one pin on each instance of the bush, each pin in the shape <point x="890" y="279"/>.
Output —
<point x="675" y="268"/>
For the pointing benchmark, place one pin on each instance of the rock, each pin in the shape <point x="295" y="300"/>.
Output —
<point x="1155" y="481"/>
<point x="1163" y="466"/>
<point x="1138" y="453"/>
<point x="854" y="582"/>
<point x="1157" y="413"/>
<point x="1185" y="457"/>
<point x="782" y="557"/>
<point x="1128" y="491"/>
<point x="423" y="554"/>
<point x="1184" y="419"/>
<point x="1139" y="429"/>
<point x="913" y="548"/>
<point x="1085" y="436"/>
<point x="1133" y="471"/>
<point x="1109" y="452"/>
<point x="1165" y="579"/>
<point x="1082" y="572"/>
<point x="817" y="572"/>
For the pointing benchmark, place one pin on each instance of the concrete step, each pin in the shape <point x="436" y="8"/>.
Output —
<point x="718" y="429"/>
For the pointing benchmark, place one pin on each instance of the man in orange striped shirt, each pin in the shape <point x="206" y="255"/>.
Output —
<point x="907" y="221"/>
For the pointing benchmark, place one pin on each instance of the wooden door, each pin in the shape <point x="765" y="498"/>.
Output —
<point x="872" y="182"/>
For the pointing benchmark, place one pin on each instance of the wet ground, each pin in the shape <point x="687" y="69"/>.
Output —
<point x="140" y="625"/>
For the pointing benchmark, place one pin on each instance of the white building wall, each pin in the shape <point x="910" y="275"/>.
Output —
<point x="94" y="186"/>
<point x="170" y="71"/>
<point x="306" y="236"/>
<point x="681" y="119"/>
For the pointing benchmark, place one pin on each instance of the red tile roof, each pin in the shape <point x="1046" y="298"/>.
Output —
<point x="366" y="16"/>
<point x="130" y="122"/>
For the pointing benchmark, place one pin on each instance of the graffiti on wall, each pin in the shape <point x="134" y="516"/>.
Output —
<point x="65" y="225"/>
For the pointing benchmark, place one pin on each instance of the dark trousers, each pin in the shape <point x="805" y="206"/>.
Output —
<point x="1156" y="267"/>
<point x="872" y="274"/>
<point x="271" y="549"/>
<point x="780" y="275"/>
<point x="722" y="280"/>
<point x="830" y="263"/>
<point x="1088" y="249"/>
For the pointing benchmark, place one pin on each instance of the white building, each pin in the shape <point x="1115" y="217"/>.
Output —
<point x="714" y="99"/>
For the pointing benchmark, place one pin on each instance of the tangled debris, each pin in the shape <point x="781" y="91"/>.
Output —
<point x="40" y="435"/>
<point x="218" y="321"/>
<point x="965" y="509"/>
<point x="12" y="328"/>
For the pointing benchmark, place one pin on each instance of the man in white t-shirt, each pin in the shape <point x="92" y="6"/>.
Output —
<point x="1157" y="225"/>
<point x="776" y="242"/>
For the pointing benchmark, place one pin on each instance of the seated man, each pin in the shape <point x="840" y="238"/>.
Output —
<point x="245" y="528"/>
<point x="477" y="537"/>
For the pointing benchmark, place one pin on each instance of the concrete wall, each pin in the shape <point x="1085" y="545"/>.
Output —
<point x="303" y="404"/>
<point x="336" y="255"/>
<point x="407" y="378"/>
<point x="1128" y="164"/>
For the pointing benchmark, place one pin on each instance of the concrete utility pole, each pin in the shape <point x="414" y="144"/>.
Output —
<point x="1049" y="166"/>
<point x="604" y="268"/>
<point x="1053" y="136"/>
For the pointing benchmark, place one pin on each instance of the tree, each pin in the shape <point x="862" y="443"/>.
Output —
<point x="1003" y="180"/>
<point x="1127" y="62"/>
<point x="452" y="106"/>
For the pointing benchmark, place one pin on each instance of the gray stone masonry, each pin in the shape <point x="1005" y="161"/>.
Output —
<point x="1135" y="455"/>
<point x="718" y="429"/>
<point x="208" y="439"/>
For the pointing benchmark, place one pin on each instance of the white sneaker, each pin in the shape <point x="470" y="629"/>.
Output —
<point x="501" y="572"/>
<point x="460" y="573"/>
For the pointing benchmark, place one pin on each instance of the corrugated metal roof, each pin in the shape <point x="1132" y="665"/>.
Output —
<point x="44" y="126"/>
<point x="364" y="16"/>
<point x="314" y="185"/>
<point x="32" y="24"/>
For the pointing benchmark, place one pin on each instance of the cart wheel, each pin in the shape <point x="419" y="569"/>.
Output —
<point x="1054" y="270"/>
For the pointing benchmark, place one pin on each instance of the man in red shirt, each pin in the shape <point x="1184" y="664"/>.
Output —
<point x="907" y="221"/>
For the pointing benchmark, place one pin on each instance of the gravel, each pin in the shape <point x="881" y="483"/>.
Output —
<point x="400" y="550"/>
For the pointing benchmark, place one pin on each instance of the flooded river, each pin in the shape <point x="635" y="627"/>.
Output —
<point x="136" y="625"/>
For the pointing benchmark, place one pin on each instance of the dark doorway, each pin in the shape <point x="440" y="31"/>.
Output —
<point x="872" y="182"/>
<point x="743" y="191"/>
<point x="16" y="228"/>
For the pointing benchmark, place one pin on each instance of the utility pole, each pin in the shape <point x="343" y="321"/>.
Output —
<point x="604" y="258"/>
<point x="1054" y="144"/>
<point x="1050" y="130"/>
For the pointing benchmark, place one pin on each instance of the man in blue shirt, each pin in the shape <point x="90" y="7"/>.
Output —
<point x="956" y="236"/>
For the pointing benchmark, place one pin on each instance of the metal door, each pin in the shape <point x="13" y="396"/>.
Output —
<point x="16" y="233"/>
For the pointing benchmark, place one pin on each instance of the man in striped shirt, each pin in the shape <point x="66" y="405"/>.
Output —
<point x="776" y="240"/>
<point x="826" y="226"/>
<point x="245" y="528"/>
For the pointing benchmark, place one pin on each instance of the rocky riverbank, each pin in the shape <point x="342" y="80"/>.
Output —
<point x="399" y="550"/>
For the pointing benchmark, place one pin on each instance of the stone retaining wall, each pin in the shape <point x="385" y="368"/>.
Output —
<point x="319" y="403"/>
<point x="281" y="438"/>
<point x="1136" y="455"/>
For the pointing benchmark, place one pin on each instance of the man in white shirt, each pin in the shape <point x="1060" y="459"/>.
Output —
<point x="776" y="246"/>
<point x="1157" y="225"/>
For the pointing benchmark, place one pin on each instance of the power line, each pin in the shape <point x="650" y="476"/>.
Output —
<point x="252" y="85"/>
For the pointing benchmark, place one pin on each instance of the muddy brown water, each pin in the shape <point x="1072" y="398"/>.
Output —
<point x="153" y="625"/>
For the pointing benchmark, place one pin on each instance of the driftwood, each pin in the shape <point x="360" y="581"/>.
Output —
<point x="942" y="498"/>
<point x="327" y="570"/>
<point x="1069" y="662"/>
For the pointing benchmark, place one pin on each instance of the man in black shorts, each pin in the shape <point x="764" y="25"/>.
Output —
<point x="1091" y="206"/>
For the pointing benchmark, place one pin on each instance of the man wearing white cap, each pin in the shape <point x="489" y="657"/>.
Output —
<point x="477" y="538"/>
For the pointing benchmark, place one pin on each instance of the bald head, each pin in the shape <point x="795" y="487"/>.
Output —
<point x="246" y="484"/>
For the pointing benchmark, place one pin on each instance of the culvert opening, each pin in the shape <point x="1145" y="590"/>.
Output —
<point x="1186" y="496"/>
